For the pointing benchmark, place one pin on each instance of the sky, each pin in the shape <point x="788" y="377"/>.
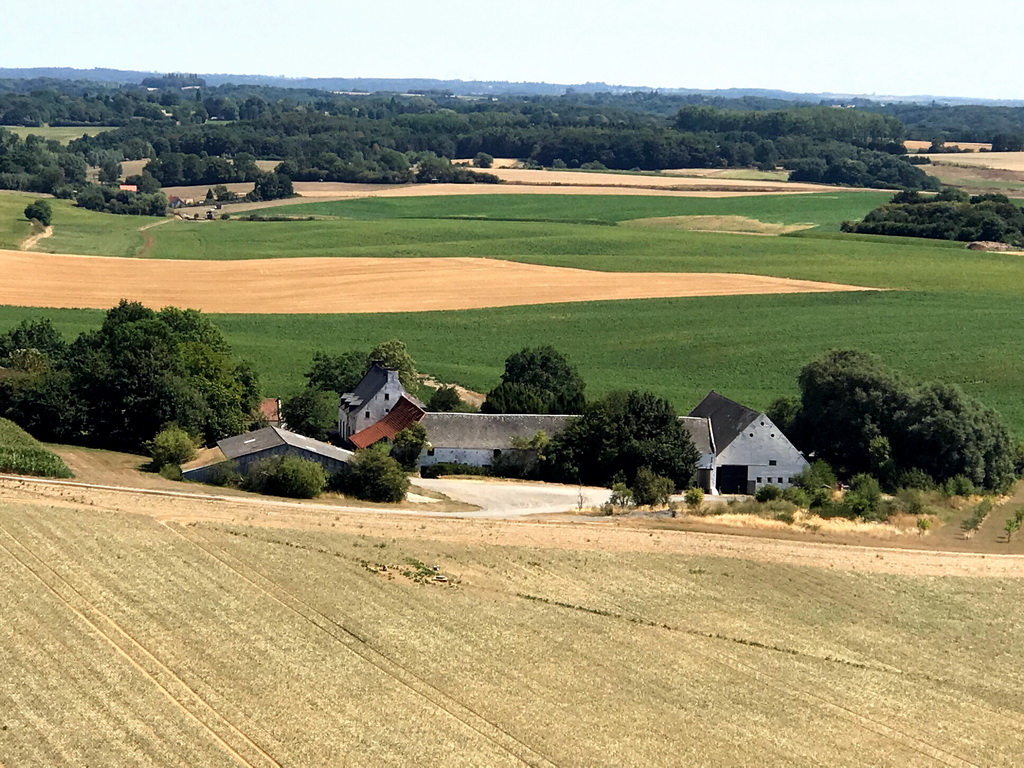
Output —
<point x="883" y="47"/>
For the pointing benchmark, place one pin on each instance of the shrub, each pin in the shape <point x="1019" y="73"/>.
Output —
<point x="375" y="476"/>
<point x="287" y="476"/>
<point x="225" y="476"/>
<point x="958" y="485"/>
<point x="768" y="493"/>
<point x="650" y="489"/>
<point x="868" y="489"/>
<point x="171" y="472"/>
<point x="797" y="497"/>
<point x="445" y="399"/>
<point x="909" y="501"/>
<point x="815" y="477"/>
<point x="694" y="498"/>
<point x="41" y="211"/>
<point x="408" y="445"/>
<point x="915" y="478"/>
<point x="785" y="516"/>
<point x="443" y="468"/>
<point x="172" y="446"/>
<point x="820" y="498"/>
<point x="621" y="496"/>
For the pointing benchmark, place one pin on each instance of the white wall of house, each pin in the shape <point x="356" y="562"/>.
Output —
<point x="476" y="457"/>
<point x="373" y="411"/>
<point x="767" y="453"/>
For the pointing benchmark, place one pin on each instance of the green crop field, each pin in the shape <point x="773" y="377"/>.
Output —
<point x="22" y="454"/>
<point x="953" y="316"/>
<point x="63" y="134"/>
<point x="75" y="230"/>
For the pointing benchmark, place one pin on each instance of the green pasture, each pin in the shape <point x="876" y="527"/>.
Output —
<point x="749" y="348"/>
<point x="948" y="314"/>
<point x="75" y="230"/>
<point x="61" y="133"/>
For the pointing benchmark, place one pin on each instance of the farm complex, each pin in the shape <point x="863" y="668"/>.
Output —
<point x="343" y="428"/>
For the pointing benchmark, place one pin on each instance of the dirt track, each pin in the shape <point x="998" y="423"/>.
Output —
<point x="350" y="285"/>
<point x="549" y="533"/>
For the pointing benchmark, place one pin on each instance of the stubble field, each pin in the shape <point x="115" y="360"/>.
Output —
<point x="252" y="642"/>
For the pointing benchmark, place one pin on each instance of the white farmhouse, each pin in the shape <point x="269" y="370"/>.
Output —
<point x="750" y="451"/>
<point x="371" y="400"/>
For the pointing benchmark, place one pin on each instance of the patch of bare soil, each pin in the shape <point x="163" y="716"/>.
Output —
<point x="39" y="232"/>
<point x="1006" y="161"/>
<point x="350" y="285"/>
<point x="970" y="146"/>
<point x="740" y="225"/>
<point x="475" y="399"/>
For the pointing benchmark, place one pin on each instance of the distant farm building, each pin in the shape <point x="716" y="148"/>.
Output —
<point x="749" y="450"/>
<point x="241" y="452"/>
<point x="370" y="401"/>
<point x="405" y="413"/>
<point x="480" y="438"/>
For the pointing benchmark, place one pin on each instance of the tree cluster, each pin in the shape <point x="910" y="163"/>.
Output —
<point x="862" y="417"/>
<point x="110" y="199"/>
<point x="118" y="386"/>
<point x="537" y="380"/>
<point x="950" y="215"/>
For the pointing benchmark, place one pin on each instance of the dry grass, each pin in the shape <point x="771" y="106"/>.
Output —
<point x="291" y="646"/>
<point x="733" y="224"/>
<point x="351" y="285"/>
<point x="971" y="146"/>
<point x="1000" y="161"/>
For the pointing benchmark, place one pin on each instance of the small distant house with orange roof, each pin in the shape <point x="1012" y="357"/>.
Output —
<point x="405" y="413"/>
<point x="129" y="187"/>
<point x="270" y="409"/>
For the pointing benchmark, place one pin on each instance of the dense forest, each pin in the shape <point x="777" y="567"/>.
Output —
<point x="195" y="134"/>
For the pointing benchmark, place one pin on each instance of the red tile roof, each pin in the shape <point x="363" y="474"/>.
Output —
<point x="129" y="187"/>
<point x="404" y="413"/>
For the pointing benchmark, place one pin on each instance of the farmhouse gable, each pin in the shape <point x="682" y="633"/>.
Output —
<point x="370" y="400"/>
<point x="404" y="414"/>
<point x="750" y="450"/>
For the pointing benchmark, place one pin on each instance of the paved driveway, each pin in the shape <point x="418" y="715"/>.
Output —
<point x="505" y="499"/>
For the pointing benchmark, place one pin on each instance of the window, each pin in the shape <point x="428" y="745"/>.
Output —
<point x="430" y="452"/>
<point x="387" y="396"/>
<point x="367" y="414"/>
<point x="759" y="479"/>
<point x="497" y="452"/>
<point x="772" y="462"/>
<point x="780" y="479"/>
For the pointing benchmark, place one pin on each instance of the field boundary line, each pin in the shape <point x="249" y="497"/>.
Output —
<point x="187" y="693"/>
<point x="360" y="646"/>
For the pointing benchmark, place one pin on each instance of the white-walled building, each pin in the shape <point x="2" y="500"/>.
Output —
<point x="479" y="438"/>
<point x="371" y="400"/>
<point x="703" y="439"/>
<point x="750" y="451"/>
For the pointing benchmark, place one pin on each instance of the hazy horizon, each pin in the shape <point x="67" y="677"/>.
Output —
<point x="888" y="48"/>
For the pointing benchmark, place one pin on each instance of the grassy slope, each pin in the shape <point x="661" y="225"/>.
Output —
<point x="22" y="454"/>
<point x="691" y="660"/>
<point x="75" y="230"/>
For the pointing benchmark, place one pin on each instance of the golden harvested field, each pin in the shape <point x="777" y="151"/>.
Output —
<point x="973" y="146"/>
<point x="351" y="285"/>
<point x="145" y="631"/>
<point x="622" y="180"/>
<point x="1000" y="161"/>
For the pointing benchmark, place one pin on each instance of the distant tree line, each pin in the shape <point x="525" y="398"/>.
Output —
<point x="950" y="215"/>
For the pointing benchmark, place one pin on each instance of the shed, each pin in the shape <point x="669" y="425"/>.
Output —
<point x="242" y="451"/>
<point x="478" y="438"/>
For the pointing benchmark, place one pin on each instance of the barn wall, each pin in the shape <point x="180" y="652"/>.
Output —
<point x="756" y="447"/>
<point x="476" y="457"/>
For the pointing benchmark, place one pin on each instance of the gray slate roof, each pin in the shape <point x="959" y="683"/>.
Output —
<point x="373" y="381"/>
<point x="487" y="431"/>
<point x="272" y="437"/>
<point x="728" y="418"/>
<point x="700" y="431"/>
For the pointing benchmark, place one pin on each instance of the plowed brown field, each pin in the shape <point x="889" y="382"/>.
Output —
<point x="349" y="285"/>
